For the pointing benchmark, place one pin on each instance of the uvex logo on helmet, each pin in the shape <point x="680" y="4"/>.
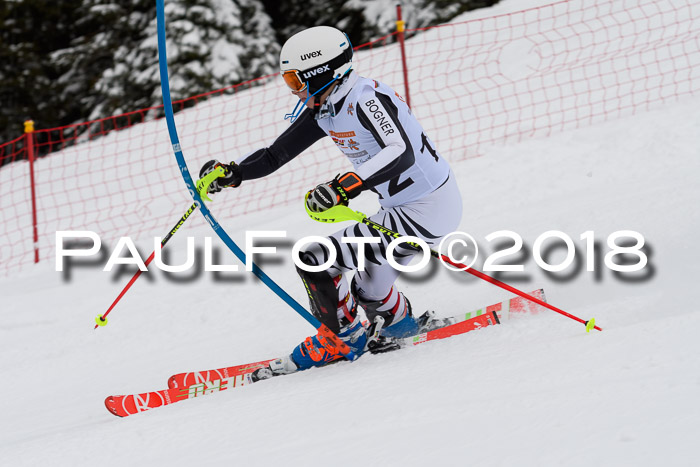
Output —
<point x="311" y="55"/>
<point x="316" y="71"/>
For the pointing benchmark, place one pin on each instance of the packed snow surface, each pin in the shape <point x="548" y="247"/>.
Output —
<point x="537" y="390"/>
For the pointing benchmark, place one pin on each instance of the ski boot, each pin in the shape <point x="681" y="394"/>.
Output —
<point x="395" y="311"/>
<point x="317" y="351"/>
<point x="397" y="316"/>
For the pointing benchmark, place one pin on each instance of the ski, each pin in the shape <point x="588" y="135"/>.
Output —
<point x="514" y="305"/>
<point x="183" y="380"/>
<point x="195" y="384"/>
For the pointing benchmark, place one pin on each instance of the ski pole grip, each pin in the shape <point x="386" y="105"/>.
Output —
<point x="204" y="182"/>
<point x="338" y="213"/>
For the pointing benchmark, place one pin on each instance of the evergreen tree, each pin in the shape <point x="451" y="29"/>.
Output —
<point x="31" y="31"/>
<point x="76" y="60"/>
<point x="363" y="20"/>
<point x="211" y="44"/>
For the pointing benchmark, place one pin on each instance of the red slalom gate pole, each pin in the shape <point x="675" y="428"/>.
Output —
<point x="101" y="320"/>
<point x="400" y="28"/>
<point x="29" y="135"/>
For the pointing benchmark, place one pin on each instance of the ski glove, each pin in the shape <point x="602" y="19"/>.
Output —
<point x="340" y="190"/>
<point x="232" y="177"/>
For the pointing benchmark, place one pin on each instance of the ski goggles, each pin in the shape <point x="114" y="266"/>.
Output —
<point x="293" y="80"/>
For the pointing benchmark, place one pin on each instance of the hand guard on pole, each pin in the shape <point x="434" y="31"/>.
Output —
<point x="340" y="190"/>
<point x="232" y="175"/>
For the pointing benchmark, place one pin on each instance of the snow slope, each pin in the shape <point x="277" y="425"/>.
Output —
<point x="535" y="391"/>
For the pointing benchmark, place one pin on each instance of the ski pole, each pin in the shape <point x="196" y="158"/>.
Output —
<point x="101" y="320"/>
<point x="342" y="213"/>
<point x="203" y="186"/>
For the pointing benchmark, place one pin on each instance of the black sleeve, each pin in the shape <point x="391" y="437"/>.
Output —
<point x="296" y="139"/>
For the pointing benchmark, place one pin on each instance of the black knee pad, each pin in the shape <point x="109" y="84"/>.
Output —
<point x="322" y="292"/>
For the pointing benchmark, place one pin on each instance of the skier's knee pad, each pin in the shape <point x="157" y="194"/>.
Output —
<point x="330" y="301"/>
<point x="317" y="282"/>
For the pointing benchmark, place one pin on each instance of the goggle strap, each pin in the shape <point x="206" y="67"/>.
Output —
<point x="325" y="86"/>
<point x="295" y="114"/>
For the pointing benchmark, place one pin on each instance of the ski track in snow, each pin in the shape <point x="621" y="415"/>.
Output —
<point x="538" y="390"/>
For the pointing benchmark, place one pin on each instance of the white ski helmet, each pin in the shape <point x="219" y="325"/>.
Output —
<point x="315" y="57"/>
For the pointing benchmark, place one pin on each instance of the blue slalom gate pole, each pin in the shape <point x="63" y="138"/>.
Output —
<point x="172" y="131"/>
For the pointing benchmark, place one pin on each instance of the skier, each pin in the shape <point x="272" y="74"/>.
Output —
<point x="391" y="156"/>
